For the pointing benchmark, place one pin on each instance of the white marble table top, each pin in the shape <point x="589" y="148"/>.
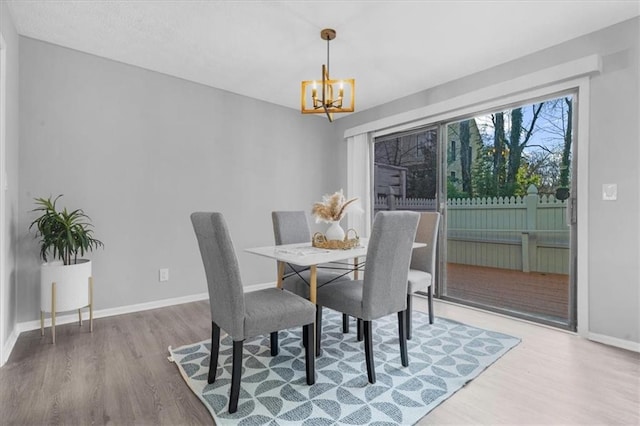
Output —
<point x="305" y="255"/>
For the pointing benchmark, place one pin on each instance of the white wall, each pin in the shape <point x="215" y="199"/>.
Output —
<point x="139" y="151"/>
<point x="614" y="136"/>
<point x="9" y="291"/>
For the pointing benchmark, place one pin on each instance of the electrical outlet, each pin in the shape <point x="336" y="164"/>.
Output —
<point x="163" y="274"/>
<point x="609" y="191"/>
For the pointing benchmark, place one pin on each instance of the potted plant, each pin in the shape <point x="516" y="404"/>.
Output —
<point x="66" y="282"/>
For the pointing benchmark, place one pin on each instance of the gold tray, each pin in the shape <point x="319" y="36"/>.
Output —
<point x="319" y="240"/>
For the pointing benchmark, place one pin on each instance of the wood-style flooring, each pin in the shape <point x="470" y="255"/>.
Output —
<point x="120" y="375"/>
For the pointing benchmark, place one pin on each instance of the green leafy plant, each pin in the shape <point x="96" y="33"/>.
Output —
<point x="63" y="234"/>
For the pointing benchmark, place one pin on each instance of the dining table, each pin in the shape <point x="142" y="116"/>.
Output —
<point x="306" y="255"/>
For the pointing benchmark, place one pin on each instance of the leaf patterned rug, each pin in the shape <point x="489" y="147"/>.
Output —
<point x="443" y="357"/>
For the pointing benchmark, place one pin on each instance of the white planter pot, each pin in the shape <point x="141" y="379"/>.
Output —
<point x="65" y="288"/>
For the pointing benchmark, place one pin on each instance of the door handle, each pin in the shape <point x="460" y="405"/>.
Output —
<point x="572" y="214"/>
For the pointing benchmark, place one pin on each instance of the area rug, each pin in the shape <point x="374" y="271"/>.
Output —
<point x="443" y="357"/>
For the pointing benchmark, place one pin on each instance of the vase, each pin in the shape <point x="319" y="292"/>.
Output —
<point x="335" y="231"/>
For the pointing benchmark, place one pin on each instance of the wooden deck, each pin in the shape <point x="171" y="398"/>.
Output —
<point x="540" y="294"/>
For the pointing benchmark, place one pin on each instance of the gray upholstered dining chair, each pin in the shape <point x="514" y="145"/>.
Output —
<point x="423" y="263"/>
<point x="292" y="227"/>
<point x="243" y="315"/>
<point x="384" y="287"/>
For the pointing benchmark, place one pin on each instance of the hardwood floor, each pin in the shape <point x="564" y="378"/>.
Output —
<point x="120" y="375"/>
<point x="551" y="377"/>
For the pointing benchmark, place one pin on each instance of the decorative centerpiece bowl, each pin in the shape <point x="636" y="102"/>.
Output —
<point x="351" y="240"/>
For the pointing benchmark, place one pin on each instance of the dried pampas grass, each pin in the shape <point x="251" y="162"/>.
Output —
<point x="333" y="207"/>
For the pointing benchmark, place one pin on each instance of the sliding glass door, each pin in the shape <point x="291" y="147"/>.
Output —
<point x="508" y="232"/>
<point x="503" y="181"/>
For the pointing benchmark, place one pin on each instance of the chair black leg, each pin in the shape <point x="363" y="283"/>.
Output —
<point x="403" y="338"/>
<point x="368" y="351"/>
<point x="408" y="316"/>
<point x="430" y="301"/>
<point x="309" y="356"/>
<point x="304" y="336"/>
<point x="215" y="348"/>
<point x="274" y="343"/>
<point x="345" y="323"/>
<point x="318" y="329"/>
<point x="236" y="372"/>
<point x="359" y="326"/>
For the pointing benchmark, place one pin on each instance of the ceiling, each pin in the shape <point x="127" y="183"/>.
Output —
<point x="263" y="49"/>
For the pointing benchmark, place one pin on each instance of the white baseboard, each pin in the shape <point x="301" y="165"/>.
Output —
<point x="101" y="313"/>
<point x="69" y="318"/>
<point x="614" y="341"/>
<point x="8" y="347"/>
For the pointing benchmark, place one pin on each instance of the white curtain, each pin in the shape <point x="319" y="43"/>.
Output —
<point x="359" y="181"/>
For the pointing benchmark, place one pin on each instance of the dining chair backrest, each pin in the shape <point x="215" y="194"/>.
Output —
<point x="424" y="258"/>
<point x="290" y="227"/>
<point x="226" y="295"/>
<point x="387" y="267"/>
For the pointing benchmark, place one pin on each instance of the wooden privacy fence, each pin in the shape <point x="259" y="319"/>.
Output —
<point x="390" y="180"/>
<point x="523" y="233"/>
<point x="397" y="203"/>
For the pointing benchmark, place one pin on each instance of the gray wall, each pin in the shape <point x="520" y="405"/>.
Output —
<point x="8" y="307"/>
<point x="139" y="151"/>
<point x="613" y="228"/>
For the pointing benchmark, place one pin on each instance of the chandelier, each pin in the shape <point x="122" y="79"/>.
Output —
<point x="319" y="96"/>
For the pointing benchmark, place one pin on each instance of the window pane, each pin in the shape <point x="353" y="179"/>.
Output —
<point x="405" y="168"/>
<point x="508" y="241"/>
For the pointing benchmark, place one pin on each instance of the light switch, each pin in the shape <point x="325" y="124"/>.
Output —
<point x="609" y="191"/>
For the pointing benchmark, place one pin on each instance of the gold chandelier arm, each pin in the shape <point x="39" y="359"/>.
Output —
<point x="329" y="114"/>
